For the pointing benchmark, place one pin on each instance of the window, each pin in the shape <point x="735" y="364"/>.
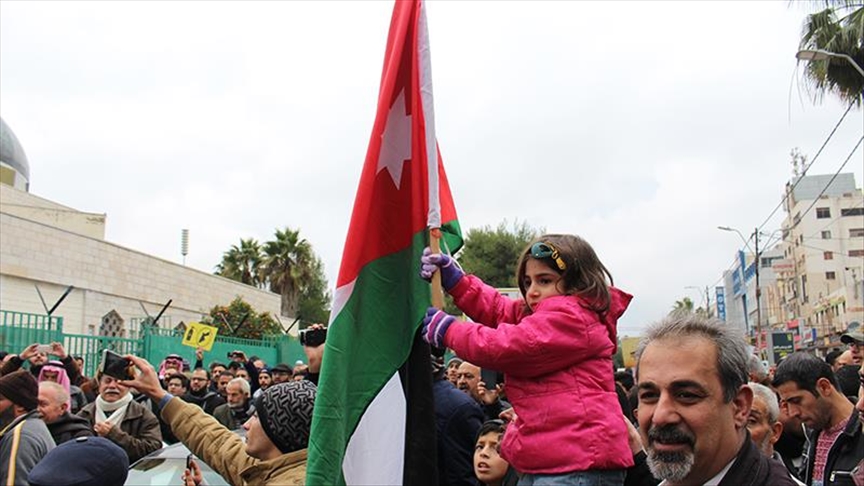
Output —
<point x="826" y="235"/>
<point x="822" y="213"/>
<point x="830" y="276"/>
<point x="856" y="233"/>
<point x="828" y="255"/>
<point x="850" y="212"/>
<point x="804" y="296"/>
<point x="856" y="253"/>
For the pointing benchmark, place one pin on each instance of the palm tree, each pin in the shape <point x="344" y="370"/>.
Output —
<point x="243" y="263"/>
<point x="683" y="305"/>
<point x="838" y="28"/>
<point x="288" y="262"/>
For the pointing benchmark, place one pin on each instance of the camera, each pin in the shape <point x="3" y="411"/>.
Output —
<point x="313" y="337"/>
<point x="234" y="354"/>
<point x="117" y="366"/>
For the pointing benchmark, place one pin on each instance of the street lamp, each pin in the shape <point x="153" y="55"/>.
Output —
<point x="822" y="55"/>
<point x="758" y="289"/>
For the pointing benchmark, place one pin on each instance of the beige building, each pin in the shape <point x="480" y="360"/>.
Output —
<point x="46" y="247"/>
<point x="823" y="266"/>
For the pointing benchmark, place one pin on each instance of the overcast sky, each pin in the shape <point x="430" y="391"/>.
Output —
<point x="640" y="126"/>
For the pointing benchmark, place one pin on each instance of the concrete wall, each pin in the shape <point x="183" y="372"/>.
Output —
<point x="106" y="276"/>
<point x="28" y="206"/>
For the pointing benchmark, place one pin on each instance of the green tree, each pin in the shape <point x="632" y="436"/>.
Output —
<point x="838" y="28"/>
<point x="228" y="317"/>
<point x="683" y="305"/>
<point x="492" y="254"/>
<point x="314" y="301"/>
<point x="243" y="263"/>
<point x="288" y="261"/>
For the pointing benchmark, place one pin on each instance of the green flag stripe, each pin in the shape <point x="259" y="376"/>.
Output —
<point x="366" y="343"/>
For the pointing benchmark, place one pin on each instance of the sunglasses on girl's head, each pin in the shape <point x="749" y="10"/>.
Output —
<point x="542" y="250"/>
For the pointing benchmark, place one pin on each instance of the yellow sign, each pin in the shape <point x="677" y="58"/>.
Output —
<point x="199" y="335"/>
<point x="628" y="350"/>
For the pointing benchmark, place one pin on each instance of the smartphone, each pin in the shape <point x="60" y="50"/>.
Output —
<point x="313" y="337"/>
<point x="43" y="348"/>
<point x="189" y="461"/>
<point x="491" y="378"/>
<point x="117" y="366"/>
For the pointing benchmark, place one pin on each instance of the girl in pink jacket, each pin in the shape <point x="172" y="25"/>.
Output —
<point x="555" y="349"/>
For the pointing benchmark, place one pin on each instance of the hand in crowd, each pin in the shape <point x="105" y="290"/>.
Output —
<point x="199" y="354"/>
<point x="507" y="415"/>
<point x="489" y="396"/>
<point x="147" y="381"/>
<point x="28" y="352"/>
<point x="58" y="350"/>
<point x="314" y="354"/>
<point x="103" y="428"/>
<point x="192" y="475"/>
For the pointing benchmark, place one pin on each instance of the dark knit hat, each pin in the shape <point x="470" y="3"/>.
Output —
<point x="282" y="368"/>
<point x="85" y="461"/>
<point x="21" y="389"/>
<point x="285" y="413"/>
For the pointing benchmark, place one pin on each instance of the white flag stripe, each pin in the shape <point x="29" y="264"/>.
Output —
<point x="433" y="218"/>
<point x="376" y="451"/>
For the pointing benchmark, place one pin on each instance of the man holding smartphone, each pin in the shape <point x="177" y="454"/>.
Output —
<point x="276" y="436"/>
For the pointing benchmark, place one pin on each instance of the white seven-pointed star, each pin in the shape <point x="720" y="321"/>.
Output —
<point x="396" y="140"/>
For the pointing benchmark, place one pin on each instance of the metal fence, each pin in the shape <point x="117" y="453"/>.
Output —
<point x="18" y="330"/>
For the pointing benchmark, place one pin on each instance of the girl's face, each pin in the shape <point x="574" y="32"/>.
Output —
<point x="489" y="467"/>
<point x="540" y="282"/>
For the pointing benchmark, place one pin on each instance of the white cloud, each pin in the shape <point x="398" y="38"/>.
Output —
<point x="641" y="126"/>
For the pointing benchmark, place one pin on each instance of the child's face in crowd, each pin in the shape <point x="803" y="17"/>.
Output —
<point x="540" y="282"/>
<point x="489" y="467"/>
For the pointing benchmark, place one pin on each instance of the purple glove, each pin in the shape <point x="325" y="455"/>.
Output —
<point x="450" y="271"/>
<point x="435" y="326"/>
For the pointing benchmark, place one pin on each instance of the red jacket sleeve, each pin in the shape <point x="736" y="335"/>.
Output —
<point x="484" y="304"/>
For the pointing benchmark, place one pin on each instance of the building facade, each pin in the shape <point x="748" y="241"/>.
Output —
<point x="47" y="248"/>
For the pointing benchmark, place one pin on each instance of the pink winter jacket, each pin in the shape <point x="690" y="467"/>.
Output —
<point x="557" y="363"/>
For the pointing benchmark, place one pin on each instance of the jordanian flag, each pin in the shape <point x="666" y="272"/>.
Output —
<point x="373" y="421"/>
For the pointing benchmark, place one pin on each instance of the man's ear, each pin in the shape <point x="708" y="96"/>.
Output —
<point x="742" y="402"/>
<point x="776" y="431"/>
<point x="824" y="387"/>
<point x="64" y="407"/>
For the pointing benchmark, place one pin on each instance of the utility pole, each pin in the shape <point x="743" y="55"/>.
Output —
<point x="758" y="296"/>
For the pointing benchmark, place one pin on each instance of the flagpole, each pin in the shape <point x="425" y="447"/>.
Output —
<point x="437" y="290"/>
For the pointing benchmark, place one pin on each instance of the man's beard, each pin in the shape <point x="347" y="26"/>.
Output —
<point x="670" y="465"/>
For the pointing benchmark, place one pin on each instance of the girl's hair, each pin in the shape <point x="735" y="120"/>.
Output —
<point x="584" y="275"/>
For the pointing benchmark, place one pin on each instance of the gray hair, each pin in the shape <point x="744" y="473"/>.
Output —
<point x="756" y="368"/>
<point x="60" y="393"/>
<point x="732" y="354"/>
<point x="770" y="398"/>
<point x="244" y="385"/>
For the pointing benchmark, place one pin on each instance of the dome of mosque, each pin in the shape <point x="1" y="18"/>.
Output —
<point x="14" y="168"/>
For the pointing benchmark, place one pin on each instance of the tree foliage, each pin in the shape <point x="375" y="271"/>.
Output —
<point x="492" y="254"/>
<point x="286" y="265"/>
<point x="227" y="318"/>
<point x="838" y="28"/>
<point x="683" y="305"/>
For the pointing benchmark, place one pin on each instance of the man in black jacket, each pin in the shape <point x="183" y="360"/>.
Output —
<point x="693" y="407"/>
<point x="835" y="443"/>
<point x="457" y="419"/>
<point x="54" y="408"/>
<point x="200" y="393"/>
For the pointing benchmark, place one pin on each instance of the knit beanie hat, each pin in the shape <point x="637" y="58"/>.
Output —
<point x="85" y="461"/>
<point x="21" y="389"/>
<point x="285" y="413"/>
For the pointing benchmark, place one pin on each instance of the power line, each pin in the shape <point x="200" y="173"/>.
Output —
<point x="804" y="171"/>
<point x="816" y="199"/>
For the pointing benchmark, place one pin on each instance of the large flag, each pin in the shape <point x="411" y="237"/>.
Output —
<point x="374" y="395"/>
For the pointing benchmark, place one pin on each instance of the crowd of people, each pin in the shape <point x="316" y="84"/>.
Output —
<point x="529" y="397"/>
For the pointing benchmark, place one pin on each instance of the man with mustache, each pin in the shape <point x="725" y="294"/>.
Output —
<point x="835" y="442"/>
<point x="116" y="416"/>
<point x="693" y="406"/>
<point x="764" y="423"/>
